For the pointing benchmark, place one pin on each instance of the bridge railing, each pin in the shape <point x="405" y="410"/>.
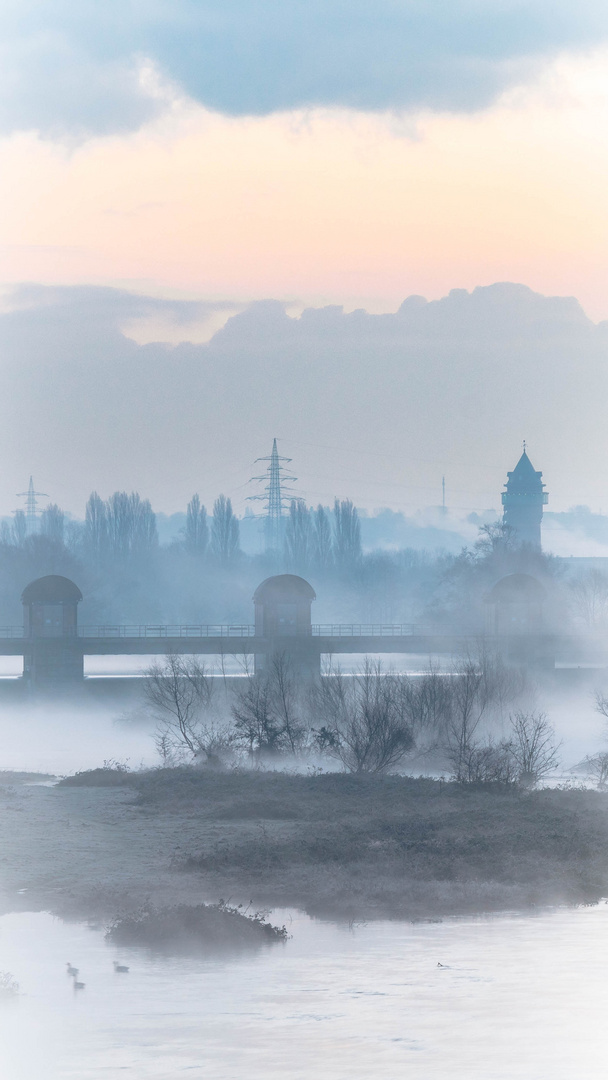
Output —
<point x="364" y="630"/>
<point x="224" y="632"/>
<point x="202" y="631"/>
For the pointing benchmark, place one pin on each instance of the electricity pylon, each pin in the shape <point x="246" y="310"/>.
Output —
<point x="31" y="505"/>
<point x="276" y="496"/>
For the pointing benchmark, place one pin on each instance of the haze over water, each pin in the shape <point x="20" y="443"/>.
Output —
<point x="518" y="998"/>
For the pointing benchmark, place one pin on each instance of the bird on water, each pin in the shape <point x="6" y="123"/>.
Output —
<point x="120" y="967"/>
<point x="71" y="969"/>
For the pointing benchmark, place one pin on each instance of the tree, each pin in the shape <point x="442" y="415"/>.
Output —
<point x="428" y="706"/>
<point x="347" y="533"/>
<point x="180" y="693"/>
<point x="477" y="685"/>
<point x="298" y="537"/>
<point x="597" y="766"/>
<point x="321" y="542"/>
<point x="267" y="712"/>
<point x="255" y="720"/>
<point x="590" y="598"/>
<point x="96" y="528"/>
<point x="468" y="704"/>
<point x="19" y="528"/>
<point x="224" y="531"/>
<point x="52" y="523"/>
<point x="496" y="539"/>
<point x="364" y="723"/>
<point x="131" y="526"/>
<point x="533" y="747"/>
<point x="196" y="537"/>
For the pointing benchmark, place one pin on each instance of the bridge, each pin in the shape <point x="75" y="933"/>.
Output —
<point x="53" y="645"/>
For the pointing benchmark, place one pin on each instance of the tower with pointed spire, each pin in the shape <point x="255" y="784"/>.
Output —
<point x="523" y="501"/>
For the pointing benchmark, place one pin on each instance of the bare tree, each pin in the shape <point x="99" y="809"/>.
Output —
<point x="597" y="766"/>
<point x="590" y="598"/>
<point x="322" y="545"/>
<point x="298" y="537"/>
<point x="347" y="533"/>
<point x="180" y="693"/>
<point x="224" y="531"/>
<point x="131" y="525"/>
<point x="479" y="686"/>
<point x="601" y="703"/>
<point x="363" y="720"/>
<point x="19" y="528"/>
<point x="52" y="523"/>
<point x="255" y="720"/>
<point x="196" y="538"/>
<point x="469" y="703"/>
<point x="286" y="697"/>
<point x="489" y="762"/>
<point x="533" y="747"/>
<point x="496" y="538"/>
<point x="267" y="712"/>
<point x="428" y="706"/>
<point x="96" y="528"/>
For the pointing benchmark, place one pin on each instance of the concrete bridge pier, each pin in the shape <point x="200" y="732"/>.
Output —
<point x="51" y="664"/>
<point x="302" y="655"/>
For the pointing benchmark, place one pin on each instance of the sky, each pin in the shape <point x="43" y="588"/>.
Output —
<point x="166" y="167"/>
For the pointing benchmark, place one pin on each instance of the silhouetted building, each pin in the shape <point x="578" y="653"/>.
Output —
<point x="515" y="606"/>
<point x="523" y="502"/>
<point x="50" y="626"/>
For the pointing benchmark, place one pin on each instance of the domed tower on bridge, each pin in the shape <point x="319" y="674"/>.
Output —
<point x="52" y="655"/>
<point x="283" y="619"/>
<point x="523" y="501"/>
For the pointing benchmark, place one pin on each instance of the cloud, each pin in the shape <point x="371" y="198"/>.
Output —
<point x="83" y="66"/>
<point x="376" y="407"/>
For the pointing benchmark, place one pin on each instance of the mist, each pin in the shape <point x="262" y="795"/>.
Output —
<point x="303" y="575"/>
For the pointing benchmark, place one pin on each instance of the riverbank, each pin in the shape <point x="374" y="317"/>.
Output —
<point x="333" y="845"/>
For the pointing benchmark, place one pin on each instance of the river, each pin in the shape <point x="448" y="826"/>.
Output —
<point x="516" y="996"/>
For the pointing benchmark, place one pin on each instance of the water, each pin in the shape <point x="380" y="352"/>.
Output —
<point x="519" y="997"/>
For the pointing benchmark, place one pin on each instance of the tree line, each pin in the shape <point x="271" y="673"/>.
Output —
<point x="372" y="722"/>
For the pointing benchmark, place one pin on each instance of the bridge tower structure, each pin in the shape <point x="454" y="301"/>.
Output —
<point x="523" y="502"/>
<point x="52" y="656"/>
<point x="283" y="622"/>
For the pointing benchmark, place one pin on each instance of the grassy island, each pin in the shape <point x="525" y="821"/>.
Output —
<point x="337" y="845"/>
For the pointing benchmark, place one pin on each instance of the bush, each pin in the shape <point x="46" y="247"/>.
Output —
<point x="111" y="774"/>
<point x="212" y="925"/>
<point x="8" y="985"/>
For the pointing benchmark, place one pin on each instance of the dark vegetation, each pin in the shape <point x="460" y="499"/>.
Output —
<point x="110" y="774"/>
<point x="363" y="846"/>
<point x="210" y="926"/>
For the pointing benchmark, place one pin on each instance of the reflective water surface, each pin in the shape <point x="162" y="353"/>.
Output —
<point x="516" y="997"/>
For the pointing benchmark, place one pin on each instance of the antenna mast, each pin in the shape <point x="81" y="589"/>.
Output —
<point x="31" y="505"/>
<point x="275" y="496"/>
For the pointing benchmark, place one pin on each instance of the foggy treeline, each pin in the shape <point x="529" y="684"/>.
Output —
<point x="470" y="722"/>
<point x="127" y="576"/>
